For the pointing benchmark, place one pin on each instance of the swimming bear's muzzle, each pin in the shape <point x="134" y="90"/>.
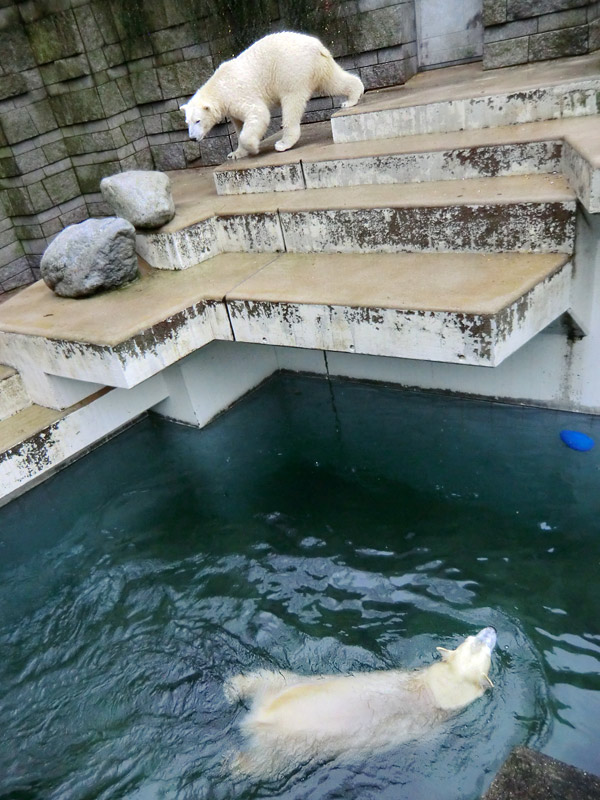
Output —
<point x="488" y="637"/>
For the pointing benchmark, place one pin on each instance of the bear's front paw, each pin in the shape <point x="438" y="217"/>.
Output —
<point x="237" y="154"/>
<point x="281" y="145"/>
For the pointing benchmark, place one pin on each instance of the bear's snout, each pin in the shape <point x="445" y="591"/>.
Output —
<point x="196" y="131"/>
<point x="488" y="637"/>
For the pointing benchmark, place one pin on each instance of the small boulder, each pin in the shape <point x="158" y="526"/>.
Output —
<point x="141" y="196"/>
<point x="90" y="256"/>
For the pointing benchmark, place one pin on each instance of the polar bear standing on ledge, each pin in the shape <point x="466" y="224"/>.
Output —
<point x="284" y="69"/>
<point x="294" y="718"/>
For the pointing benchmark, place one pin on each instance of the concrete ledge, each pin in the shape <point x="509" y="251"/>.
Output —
<point x="39" y="441"/>
<point x="128" y="363"/>
<point x="568" y="146"/>
<point x="466" y="310"/>
<point x="534" y="227"/>
<point x="485" y="161"/>
<point x="154" y="322"/>
<point x="462" y="163"/>
<point x="317" y="154"/>
<point x="510" y="109"/>
<point x="462" y="307"/>
<point x="181" y="249"/>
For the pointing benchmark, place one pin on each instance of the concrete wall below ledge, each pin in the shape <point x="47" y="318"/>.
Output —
<point x="550" y="371"/>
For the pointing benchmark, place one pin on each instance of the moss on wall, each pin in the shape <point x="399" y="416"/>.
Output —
<point x="236" y="23"/>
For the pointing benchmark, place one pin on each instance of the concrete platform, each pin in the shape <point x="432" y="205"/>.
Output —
<point x="463" y="308"/>
<point x="457" y="308"/>
<point x="566" y="145"/>
<point x="435" y="250"/>
<point x="122" y="337"/>
<point x="467" y="97"/>
<point x="533" y="213"/>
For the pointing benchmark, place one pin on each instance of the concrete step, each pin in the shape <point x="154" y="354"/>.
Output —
<point x="466" y="308"/>
<point x="531" y="213"/>
<point x="318" y="163"/>
<point x="525" y="214"/>
<point x="154" y="322"/>
<point x="459" y="308"/>
<point x="36" y="441"/>
<point x="13" y="395"/>
<point x="467" y="97"/>
<point x="26" y="424"/>
<point x="568" y="146"/>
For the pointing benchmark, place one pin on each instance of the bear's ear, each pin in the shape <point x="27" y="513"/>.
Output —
<point x="445" y="653"/>
<point x="207" y="107"/>
<point x="183" y="107"/>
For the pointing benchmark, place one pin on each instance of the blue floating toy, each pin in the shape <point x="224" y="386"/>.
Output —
<point x="577" y="440"/>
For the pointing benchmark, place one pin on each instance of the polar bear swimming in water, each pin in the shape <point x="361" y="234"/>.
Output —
<point x="294" y="718"/>
<point x="284" y="69"/>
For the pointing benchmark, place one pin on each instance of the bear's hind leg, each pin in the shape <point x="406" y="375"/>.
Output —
<point x="254" y="128"/>
<point x="292" y="108"/>
<point x="342" y="83"/>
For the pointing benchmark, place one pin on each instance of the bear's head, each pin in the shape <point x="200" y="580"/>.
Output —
<point x="200" y="116"/>
<point x="462" y="675"/>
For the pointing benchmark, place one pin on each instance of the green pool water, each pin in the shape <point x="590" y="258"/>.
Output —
<point x="318" y="527"/>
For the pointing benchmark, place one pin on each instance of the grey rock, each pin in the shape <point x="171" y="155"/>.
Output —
<point x="141" y="196"/>
<point x="93" y="255"/>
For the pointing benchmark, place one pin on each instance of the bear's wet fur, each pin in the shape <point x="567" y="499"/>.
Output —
<point x="294" y="718"/>
<point x="282" y="69"/>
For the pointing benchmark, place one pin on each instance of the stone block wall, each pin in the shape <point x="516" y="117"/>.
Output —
<point x="520" y="31"/>
<point x="93" y="87"/>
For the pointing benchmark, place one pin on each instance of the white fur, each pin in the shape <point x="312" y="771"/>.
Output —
<point x="294" y="718"/>
<point x="284" y="69"/>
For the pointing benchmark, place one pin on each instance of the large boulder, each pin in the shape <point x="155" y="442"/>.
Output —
<point x="93" y="255"/>
<point x="141" y="196"/>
